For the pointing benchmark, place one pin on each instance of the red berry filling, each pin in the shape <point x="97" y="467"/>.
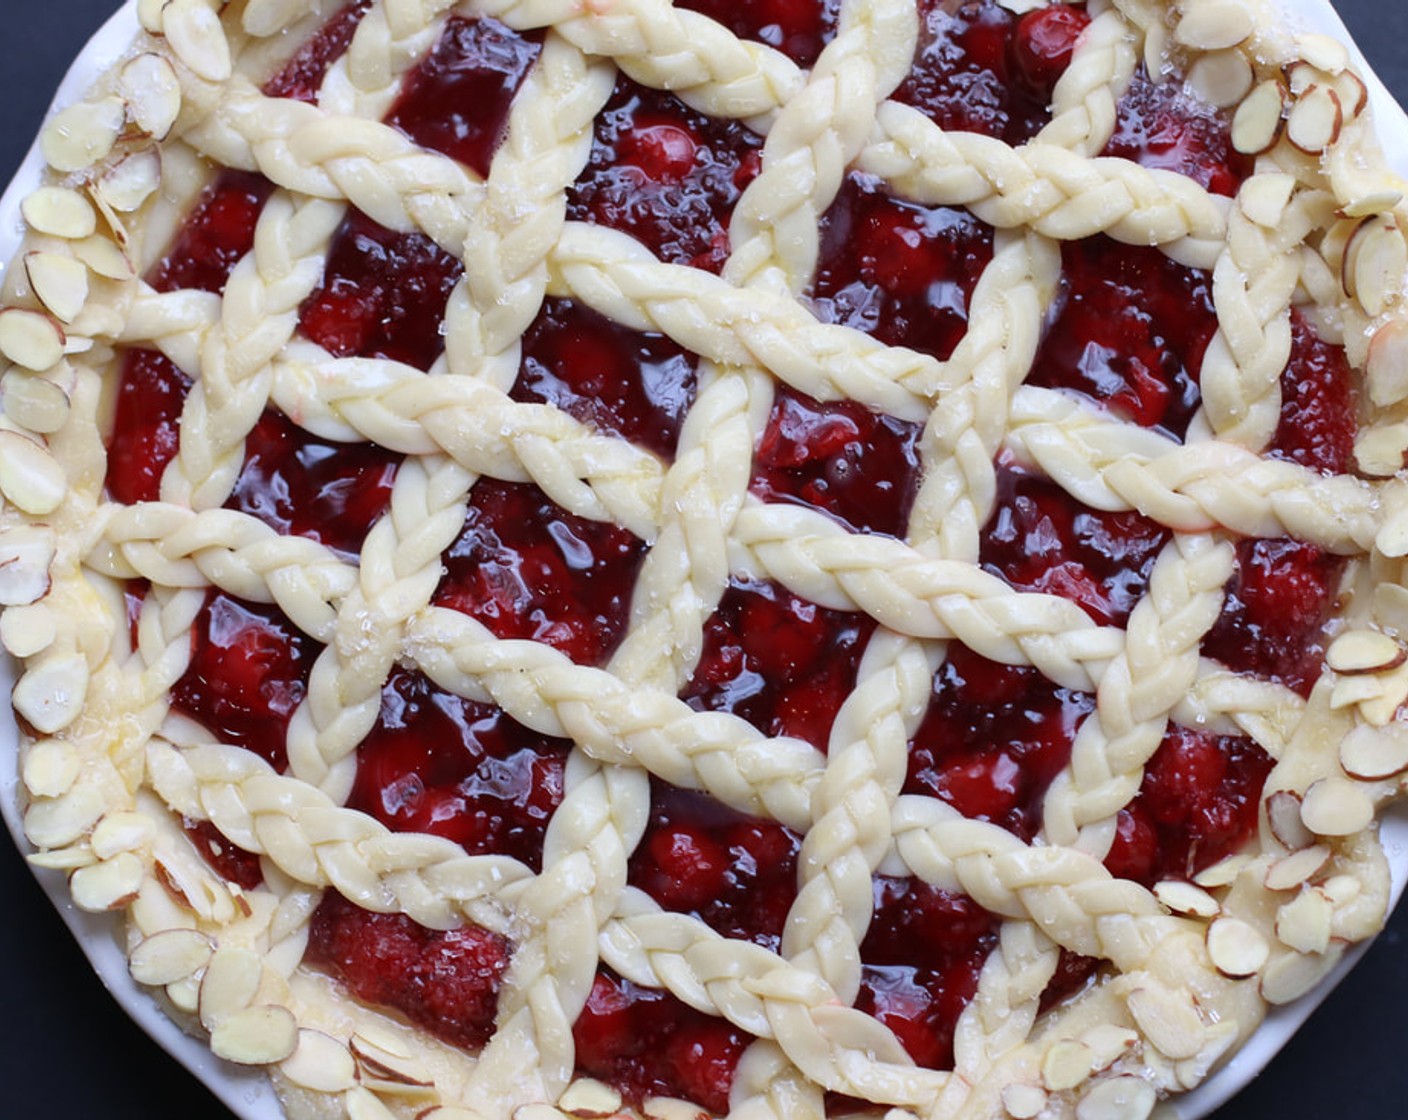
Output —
<point x="922" y="956"/>
<point x="146" y="428"/>
<point x="1129" y="328"/>
<point x="302" y="76"/>
<point x="216" y="235"/>
<point x="1197" y="804"/>
<point x="901" y="272"/>
<point x="649" y="1044"/>
<point x="526" y="568"/>
<point x="1040" y="539"/>
<point x="1318" y="422"/>
<point x="299" y="484"/>
<point x="457" y="100"/>
<point x="737" y="874"/>
<point x="638" y="385"/>
<point x="446" y="981"/>
<point x="248" y="672"/>
<point x="782" y="663"/>
<point x="665" y="174"/>
<point x="978" y="68"/>
<point x="798" y="28"/>
<point x="861" y="467"/>
<point x="383" y="295"/>
<point x="234" y="865"/>
<point x="1167" y="126"/>
<point x="993" y="738"/>
<point x="440" y="764"/>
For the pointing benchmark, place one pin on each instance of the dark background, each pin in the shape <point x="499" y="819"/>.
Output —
<point x="67" y="1050"/>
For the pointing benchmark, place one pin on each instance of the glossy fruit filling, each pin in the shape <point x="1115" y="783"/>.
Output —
<point x="457" y="100"/>
<point x="861" y="467"/>
<point x="993" y="738"/>
<point x="526" y="568"/>
<point x="447" y="766"/>
<point x="782" y="663"/>
<point x="146" y="435"/>
<point x="248" y="672"/>
<point x="979" y="68"/>
<point x="383" y="295"/>
<point x="301" y="77"/>
<point x="1128" y="329"/>
<point x="901" y="272"/>
<point x="215" y="236"/>
<point x="798" y="28"/>
<point x="665" y="174"/>
<point x="635" y="384"/>
<point x="445" y="981"/>
<point x="1039" y="539"/>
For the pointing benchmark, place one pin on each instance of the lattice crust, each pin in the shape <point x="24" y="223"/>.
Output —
<point x="109" y="770"/>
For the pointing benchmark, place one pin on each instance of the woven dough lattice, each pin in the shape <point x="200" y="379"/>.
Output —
<point x="110" y="769"/>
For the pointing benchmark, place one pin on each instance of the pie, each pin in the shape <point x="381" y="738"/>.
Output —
<point x="791" y="558"/>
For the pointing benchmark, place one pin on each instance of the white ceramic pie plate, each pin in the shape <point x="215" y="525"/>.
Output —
<point x="246" y="1092"/>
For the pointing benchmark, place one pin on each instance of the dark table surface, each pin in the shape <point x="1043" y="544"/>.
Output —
<point x="67" y="1050"/>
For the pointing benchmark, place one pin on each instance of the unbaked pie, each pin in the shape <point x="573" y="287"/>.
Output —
<point x="784" y="559"/>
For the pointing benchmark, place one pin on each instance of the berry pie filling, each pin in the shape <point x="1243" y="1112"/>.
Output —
<point x="798" y="28"/>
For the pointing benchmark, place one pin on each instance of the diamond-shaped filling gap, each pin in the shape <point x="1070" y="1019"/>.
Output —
<point x="301" y="77"/>
<point x="526" y="568"/>
<point x="798" y="28"/>
<point x="440" y="764"/>
<point x="457" y="100"/>
<point x="980" y="68"/>
<point x="635" y="384"/>
<point x="899" y="271"/>
<point x="215" y="234"/>
<point x="383" y="295"/>
<point x="861" y="467"/>
<point x="666" y="174"/>
<point x="1128" y="329"/>
<point x="993" y="738"/>
<point x="779" y="661"/>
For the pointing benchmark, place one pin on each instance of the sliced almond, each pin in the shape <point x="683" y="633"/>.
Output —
<point x="1214" y="25"/>
<point x="81" y="135"/>
<point x="131" y="181"/>
<point x="1376" y="261"/>
<point x="659" y="1108"/>
<point x="149" y="14"/>
<point x="122" y="832"/>
<point x="169" y="956"/>
<point x="1320" y="51"/>
<point x="30" y="338"/>
<point x="30" y="477"/>
<point x="1289" y="872"/>
<point x="64" y="820"/>
<point x="1067" y="1063"/>
<point x="26" y="554"/>
<point x="1362" y="687"/>
<point x="1364" y="651"/>
<point x="263" y="18"/>
<point x="1354" y="98"/>
<point x="34" y="402"/>
<point x="1264" y="198"/>
<point x="229" y="985"/>
<point x="193" y="29"/>
<point x="381" y="1064"/>
<point x="104" y="258"/>
<point x="1336" y="807"/>
<point x="1304" y="923"/>
<point x="1119" y="1098"/>
<point x="587" y="1097"/>
<point x="50" y="693"/>
<point x="256" y="1036"/>
<point x="1382" y="452"/>
<point x="108" y="885"/>
<point x="321" y="1063"/>
<point x="60" y="283"/>
<point x="1314" y="121"/>
<point x="1256" y="125"/>
<point x="1371" y="204"/>
<point x="149" y="85"/>
<point x="1283" y="813"/>
<point x="1110" y="1043"/>
<point x="1235" y="948"/>
<point x="1023" y="1101"/>
<point x="1222" y="873"/>
<point x="362" y="1104"/>
<point x="1387" y="364"/>
<point x="1374" y="753"/>
<point x="28" y="629"/>
<point x="1341" y="890"/>
<point x="1184" y="898"/>
<point x="1222" y="77"/>
<point x="1290" y="976"/>
<point x="60" y="212"/>
<point x="50" y="768"/>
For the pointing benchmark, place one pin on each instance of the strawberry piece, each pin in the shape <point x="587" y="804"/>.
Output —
<point x="302" y="76"/>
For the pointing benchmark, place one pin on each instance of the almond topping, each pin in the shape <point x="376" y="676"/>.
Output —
<point x="1222" y="873"/>
<point x="60" y="283"/>
<point x="1256" y="125"/>
<point x="1376" y="260"/>
<point x="50" y="767"/>
<point x="1374" y="753"/>
<point x="1387" y="365"/>
<point x="169" y="956"/>
<point x="65" y="819"/>
<point x="1214" y="25"/>
<point x="1168" y="1020"/>
<point x="131" y="182"/>
<point x="1223" y="77"/>
<point x="153" y="94"/>
<point x="1289" y="872"/>
<point x="81" y="135"/>
<point x="320" y="1063"/>
<point x="256" y="1036"/>
<point x="229" y="985"/>
<point x="1336" y="807"/>
<point x="1023" y="1101"/>
<point x="109" y="885"/>
<point x="589" y="1098"/>
<point x="104" y="258"/>
<point x="122" y="832"/>
<point x="1304" y="922"/>
<point x="34" y="402"/>
<point x="194" y="32"/>
<point x="386" y="1066"/>
<point x="51" y="691"/>
<point x="26" y="553"/>
<point x="1185" y="898"/>
<point x="1364" y="651"/>
<point x="1315" y="120"/>
<point x="1283" y="814"/>
<point x="660" y="1108"/>
<point x="1372" y="204"/>
<point x="1120" y="1098"/>
<point x="1320" y="51"/>
<point x="1380" y="452"/>
<point x="29" y="476"/>
<point x="28" y="629"/>
<point x="1264" y="197"/>
<point x="1235" y="948"/>
<point x="30" y="338"/>
<point x="1289" y="977"/>
<point x="60" y="212"/>
<point x="1067" y="1064"/>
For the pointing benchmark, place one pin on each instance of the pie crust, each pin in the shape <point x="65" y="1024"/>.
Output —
<point x="109" y="772"/>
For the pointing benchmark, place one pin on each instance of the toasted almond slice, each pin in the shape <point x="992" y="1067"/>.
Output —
<point x="169" y="956"/>
<point x="1222" y="77"/>
<point x="256" y="1036"/>
<point x="1364" y="651"/>
<point x="1314" y="121"/>
<point x="60" y="212"/>
<point x="587" y="1097"/>
<point x="1119" y="1098"/>
<point x="1376" y="261"/>
<point x="1387" y="364"/>
<point x="1320" y="51"/>
<point x="1290" y="976"/>
<point x="229" y="985"/>
<point x="1023" y="1101"/>
<point x="34" y="402"/>
<point x="1264" y="198"/>
<point x="51" y="767"/>
<point x="79" y="136"/>
<point x="1374" y="753"/>
<point x="1304" y="923"/>
<point x="60" y="282"/>
<point x="108" y="885"/>
<point x="1256" y="125"/>
<point x="1236" y="949"/>
<point x="26" y="553"/>
<point x="1289" y="872"/>
<point x="130" y="182"/>
<point x="30" y="338"/>
<point x="29" y="476"/>
<point x="1185" y="898"/>
<point x="1355" y="98"/>
<point x="153" y="94"/>
<point x="1300" y="76"/>
<point x="194" y="32"/>
<point x="1067" y="1063"/>
<point x="1214" y="25"/>
<point x="1336" y="807"/>
<point x="50" y="694"/>
<point x="321" y="1063"/>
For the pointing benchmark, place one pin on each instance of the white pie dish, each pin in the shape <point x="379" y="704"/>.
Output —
<point x="246" y="1093"/>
